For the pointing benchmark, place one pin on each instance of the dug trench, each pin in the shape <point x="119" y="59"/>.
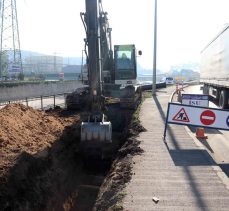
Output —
<point x="41" y="167"/>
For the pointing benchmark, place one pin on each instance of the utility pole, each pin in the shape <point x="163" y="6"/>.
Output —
<point x="54" y="63"/>
<point x="155" y="50"/>
<point x="10" y="51"/>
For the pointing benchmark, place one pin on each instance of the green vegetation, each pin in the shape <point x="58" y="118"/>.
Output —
<point x="147" y="94"/>
<point x="117" y="207"/>
<point x="135" y="118"/>
<point x="3" y="63"/>
<point x="123" y="193"/>
<point x="21" y="76"/>
<point x="135" y="123"/>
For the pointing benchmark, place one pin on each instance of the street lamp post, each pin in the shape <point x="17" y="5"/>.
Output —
<point x="154" y="50"/>
<point x="82" y="66"/>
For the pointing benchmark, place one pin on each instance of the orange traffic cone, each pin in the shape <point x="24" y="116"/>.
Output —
<point x="200" y="133"/>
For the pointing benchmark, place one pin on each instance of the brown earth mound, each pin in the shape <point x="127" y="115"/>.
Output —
<point x="24" y="129"/>
<point x="30" y="149"/>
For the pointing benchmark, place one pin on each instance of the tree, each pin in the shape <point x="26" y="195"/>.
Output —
<point x="3" y="63"/>
<point x="21" y="76"/>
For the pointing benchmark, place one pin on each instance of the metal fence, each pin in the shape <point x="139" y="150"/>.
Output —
<point x="41" y="102"/>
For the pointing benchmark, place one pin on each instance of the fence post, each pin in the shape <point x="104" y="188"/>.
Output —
<point x="26" y="100"/>
<point x="54" y="101"/>
<point x="41" y="102"/>
<point x="65" y="104"/>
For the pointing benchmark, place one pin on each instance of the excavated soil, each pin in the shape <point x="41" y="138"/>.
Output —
<point x="40" y="166"/>
<point x="33" y="151"/>
<point x="28" y="131"/>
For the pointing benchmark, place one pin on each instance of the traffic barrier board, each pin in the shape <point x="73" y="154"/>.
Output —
<point x="207" y="117"/>
<point x="197" y="116"/>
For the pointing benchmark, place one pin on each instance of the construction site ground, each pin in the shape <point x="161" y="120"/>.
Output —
<point x="179" y="175"/>
<point x="41" y="169"/>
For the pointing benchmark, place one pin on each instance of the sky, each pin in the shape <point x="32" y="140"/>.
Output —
<point x="185" y="27"/>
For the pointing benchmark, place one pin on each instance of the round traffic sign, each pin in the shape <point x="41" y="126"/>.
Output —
<point x="227" y="121"/>
<point x="207" y="117"/>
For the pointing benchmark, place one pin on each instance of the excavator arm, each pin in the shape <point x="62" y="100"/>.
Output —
<point x="96" y="132"/>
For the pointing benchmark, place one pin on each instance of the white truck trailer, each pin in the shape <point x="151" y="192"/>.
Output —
<point x="214" y="69"/>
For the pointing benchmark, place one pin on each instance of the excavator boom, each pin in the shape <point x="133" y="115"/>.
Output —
<point x="96" y="133"/>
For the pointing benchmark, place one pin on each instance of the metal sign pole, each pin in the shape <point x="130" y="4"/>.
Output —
<point x="166" y="124"/>
<point x="155" y="50"/>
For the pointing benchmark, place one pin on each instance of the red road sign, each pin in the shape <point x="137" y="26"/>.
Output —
<point x="207" y="117"/>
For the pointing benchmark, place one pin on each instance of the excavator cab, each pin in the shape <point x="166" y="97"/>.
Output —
<point x="126" y="74"/>
<point x="125" y="65"/>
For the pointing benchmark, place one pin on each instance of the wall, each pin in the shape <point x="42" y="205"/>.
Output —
<point x="33" y="90"/>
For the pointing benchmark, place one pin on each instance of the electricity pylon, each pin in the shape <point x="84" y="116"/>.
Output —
<point x="10" y="52"/>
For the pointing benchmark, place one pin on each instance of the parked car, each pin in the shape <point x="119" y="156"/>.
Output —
<point x="169" y="80"/>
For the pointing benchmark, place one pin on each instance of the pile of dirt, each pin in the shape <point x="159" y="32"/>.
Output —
<point x="27" y="137"/>
<point x="24" y="129"/>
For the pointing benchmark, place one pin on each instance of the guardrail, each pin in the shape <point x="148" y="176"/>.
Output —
<point x="43" y="102"/>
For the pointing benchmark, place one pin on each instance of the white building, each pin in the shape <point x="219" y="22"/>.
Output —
<point x="43" y="64"/>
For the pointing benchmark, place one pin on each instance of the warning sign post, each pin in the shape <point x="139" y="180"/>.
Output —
<point x="197" y="116"/>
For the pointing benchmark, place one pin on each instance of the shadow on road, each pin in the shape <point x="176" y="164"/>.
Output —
<point x="225" y="168"/>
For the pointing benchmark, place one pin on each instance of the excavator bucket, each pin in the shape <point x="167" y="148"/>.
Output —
<point x="96" y="131"/>
<point x="96" y="139"/>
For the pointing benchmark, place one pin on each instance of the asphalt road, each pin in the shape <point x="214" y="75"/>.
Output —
<point x="217" y="143"/>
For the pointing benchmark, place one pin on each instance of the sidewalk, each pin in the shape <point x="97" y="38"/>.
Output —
<point x="181" y="175"/>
